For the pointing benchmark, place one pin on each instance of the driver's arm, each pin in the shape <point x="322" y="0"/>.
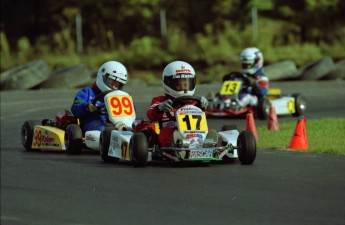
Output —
<point x="257" y="89"/>
<point x="203" y="103"/>
<point x="260" y="86"/>
<point x="80" y="106"/>
<point x="153" y="113"/>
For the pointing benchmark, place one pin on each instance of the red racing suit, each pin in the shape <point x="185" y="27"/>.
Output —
<point x="167" y="126"/>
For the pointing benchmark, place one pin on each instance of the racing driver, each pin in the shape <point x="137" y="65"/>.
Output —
<point x="112" y="75"/>
<point x="179" y="79"/>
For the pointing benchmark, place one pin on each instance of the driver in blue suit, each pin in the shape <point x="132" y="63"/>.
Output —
<point x="112" y="75"/>
<point x="256" y="83"/>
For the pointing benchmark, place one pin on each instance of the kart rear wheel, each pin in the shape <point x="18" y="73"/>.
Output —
<point x="73" y="139"/>
<point x="104" y="144"/>
<point x="27" y="133"/>
<point x="138" y="149"/>
<point x="246" y="144"/>
<point x="263" y="108"/>
<point x="300" y="105"/>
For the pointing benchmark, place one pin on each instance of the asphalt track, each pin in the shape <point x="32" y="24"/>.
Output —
<point x="281" y="187"/>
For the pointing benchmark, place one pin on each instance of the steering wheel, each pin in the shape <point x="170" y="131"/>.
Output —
<point x="99" y="97"/>
<point x="182" y="100"/>
<point x="235" y="74"/>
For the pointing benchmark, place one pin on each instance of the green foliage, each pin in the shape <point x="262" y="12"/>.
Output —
<point x="324" y="136"/>
<point x="58" y="61"/>
<point x="145" y="49"/>
<point x="24" y="48"/>
<point x="151" y="78"/>
<point x="4" y="50"/>
<point x="208" y="34"/>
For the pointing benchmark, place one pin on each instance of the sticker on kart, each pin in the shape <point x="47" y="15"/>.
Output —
<point x="204" y="153"/>
<point x="291" y="106"/>
<point x="47" y="138"/>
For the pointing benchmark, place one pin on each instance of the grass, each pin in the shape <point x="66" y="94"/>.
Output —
<point x="323" y="135"/>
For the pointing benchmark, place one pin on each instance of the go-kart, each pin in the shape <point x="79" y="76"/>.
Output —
<point x="65" y="134"/>
<point x="192" y="140"/>
<point x="225" y="102"/>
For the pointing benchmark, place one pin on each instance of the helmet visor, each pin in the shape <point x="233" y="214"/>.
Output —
<point x="112" y="82"/>
<point x="180" y="82"/>
<point x="248" y="65"/>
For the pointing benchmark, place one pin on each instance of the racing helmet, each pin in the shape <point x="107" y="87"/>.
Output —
<point x="179" y="79"/>
<point x="111" y="70"/>
<point x="252" y="60"/>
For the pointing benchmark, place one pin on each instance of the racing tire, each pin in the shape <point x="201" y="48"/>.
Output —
<point x="263" y="108"/>
<point x="68" y="77"/>
<point x="282" y="70"/>
<point x="246" y="144"/>
<point x="26" y="76"/>
<point x="300" y="105"/>
<point x="139" y="149"/>
<point x="338" y="72"/>
<point x="27" y="133"/>
<point x="73" y="139"/>
<point x="317" y="70"/>
<point x="104" y="144"/>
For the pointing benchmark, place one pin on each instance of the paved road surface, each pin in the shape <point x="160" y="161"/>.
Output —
<point x="281" y="187"/>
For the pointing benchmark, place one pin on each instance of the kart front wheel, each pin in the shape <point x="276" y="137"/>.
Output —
<point x="73" y="139"/>
<point x="300" y="105"/>
<point x="104" y="144"/>
<point x="139" y="149"/>
<point x="27" y="133"/>
<point x="246" y="144"/>
<point x="263" y="108"/>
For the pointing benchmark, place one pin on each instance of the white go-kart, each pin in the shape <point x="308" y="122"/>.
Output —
<point x="192" y="140"/>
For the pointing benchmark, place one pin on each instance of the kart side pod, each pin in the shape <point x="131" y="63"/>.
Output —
<point x="230" y="138"/>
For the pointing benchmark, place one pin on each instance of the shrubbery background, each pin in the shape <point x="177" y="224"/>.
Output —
<point x="208" y="34"/>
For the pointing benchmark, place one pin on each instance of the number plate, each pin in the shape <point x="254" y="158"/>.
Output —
<point x="204" y="153"/>
<point x="192" y="122"/>
<point x="230" y="87"/>
<point x="121" y="106"/>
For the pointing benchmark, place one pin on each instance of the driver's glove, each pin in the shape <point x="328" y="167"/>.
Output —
<point x="119" y="125"/>
<point x="203" y="102"/>
<point x="165" y="106"/>
<point x="91" y="107"/>
<point x="250" y="80"/>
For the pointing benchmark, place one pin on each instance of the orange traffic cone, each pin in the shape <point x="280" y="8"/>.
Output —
<point x="299" y="139"/>
<point x="251" y="125"/>
<point x="273" y="119"/>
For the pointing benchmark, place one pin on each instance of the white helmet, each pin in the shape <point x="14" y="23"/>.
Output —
<point x="179" y="79"/>
<point x="111" y="70"/>
<point x="252" y="60"/>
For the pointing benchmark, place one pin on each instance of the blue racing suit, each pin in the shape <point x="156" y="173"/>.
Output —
<point x="263" y="83"/>
<point x="89" y="120"/>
